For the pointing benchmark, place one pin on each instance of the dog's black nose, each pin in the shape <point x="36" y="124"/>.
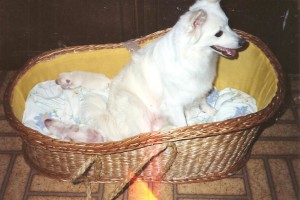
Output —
<point x="242" y="41"/>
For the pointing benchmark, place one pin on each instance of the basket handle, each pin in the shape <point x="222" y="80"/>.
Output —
<point x="85" y="167"/>
<point x="97" y="162"/>
<point x="144" y="162"/>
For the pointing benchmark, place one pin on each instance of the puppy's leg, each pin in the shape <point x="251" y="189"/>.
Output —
<point x="73" y="132"/>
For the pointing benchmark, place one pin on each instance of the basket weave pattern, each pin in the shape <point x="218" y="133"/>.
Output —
<point x="200" y="152"/>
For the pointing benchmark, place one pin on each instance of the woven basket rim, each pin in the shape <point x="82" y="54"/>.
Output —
<point x="145" y="139"/>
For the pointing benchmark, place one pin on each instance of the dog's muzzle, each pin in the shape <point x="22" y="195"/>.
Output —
<point x="227" y="52"/>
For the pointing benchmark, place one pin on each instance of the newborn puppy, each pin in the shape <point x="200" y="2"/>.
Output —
<point x="76" y="79"/>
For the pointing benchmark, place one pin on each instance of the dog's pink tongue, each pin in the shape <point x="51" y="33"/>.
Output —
<point x="230" y="52"/>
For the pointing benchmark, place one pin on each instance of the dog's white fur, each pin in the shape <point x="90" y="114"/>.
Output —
<point x="163" y="81"/>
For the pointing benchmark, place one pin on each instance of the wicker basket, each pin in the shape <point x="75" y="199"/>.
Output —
<point x="188" y="154"/>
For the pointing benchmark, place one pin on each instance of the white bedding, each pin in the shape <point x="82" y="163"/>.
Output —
<point x="48" y="100"/>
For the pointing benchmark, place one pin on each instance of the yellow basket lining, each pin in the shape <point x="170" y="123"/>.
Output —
<point x="252" y="72"/>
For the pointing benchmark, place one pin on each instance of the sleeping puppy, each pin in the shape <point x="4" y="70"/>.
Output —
<point x="164" y="80"/>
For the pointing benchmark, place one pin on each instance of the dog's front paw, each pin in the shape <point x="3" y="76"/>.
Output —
<point x="66" y="81"/>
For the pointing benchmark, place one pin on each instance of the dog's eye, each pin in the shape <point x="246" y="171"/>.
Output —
<point x="219" y="34"/>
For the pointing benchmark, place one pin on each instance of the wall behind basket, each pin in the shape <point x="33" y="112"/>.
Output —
<point x="30" y="27"/>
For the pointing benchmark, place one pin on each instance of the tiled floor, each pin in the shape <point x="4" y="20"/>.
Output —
<point x="273" y="171"/>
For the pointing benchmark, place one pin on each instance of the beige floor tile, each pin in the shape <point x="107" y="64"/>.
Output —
<point x="55" y="198"/>
<point x="228" y="186"/>
<point x="287" y="115"/>
<point x="163" y="191"/>
<point x="18" y="179"/>
<point x="4" y="162"/>
<point x="10" y="143"/>
<point x="41" y="183"/>
<point x="276" y="147"/>
<point x="109" y="188"/>
<point x="282" y="180"/>
<point x="5" y="127"/>
<point x="282" y="130"/>
<point x="258" y="180"/>
<point x="140" y="190"/>
<point x="206" y="199"/>
<point x="296" y="166"/>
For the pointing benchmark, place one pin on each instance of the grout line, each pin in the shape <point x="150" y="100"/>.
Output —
<point x="125" y="194"/>
<point x="17" y="152"/>
<point x="175" y="191"/>
<point x="293" y="177"/>
<point x="200" y="196"/>
<point x="28" y="184"/>
<point x="97" y="195"/>
<point x="207" y="196"/>
<point x="270" y="179"/>
<point x="100" y="191"/>
<point x="7" y="175"/>
<point x="247" y="183"/>
<point x="59" y="194"/>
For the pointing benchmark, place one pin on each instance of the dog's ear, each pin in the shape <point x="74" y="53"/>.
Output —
<point x="198" y="18"/>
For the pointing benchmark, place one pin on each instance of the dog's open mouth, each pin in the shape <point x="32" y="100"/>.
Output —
<point x="224" y="51"/>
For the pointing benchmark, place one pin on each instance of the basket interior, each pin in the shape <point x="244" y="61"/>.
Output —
<point x="252" y="72"/>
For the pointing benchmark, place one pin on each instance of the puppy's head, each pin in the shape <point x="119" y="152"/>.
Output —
<point x="66" y="80"/>
<point x="205" y="27"/>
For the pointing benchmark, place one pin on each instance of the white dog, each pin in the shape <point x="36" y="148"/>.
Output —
<point x="164" y="80"/>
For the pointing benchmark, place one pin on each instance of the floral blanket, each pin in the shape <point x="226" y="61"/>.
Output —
<point x="48" y="100"/>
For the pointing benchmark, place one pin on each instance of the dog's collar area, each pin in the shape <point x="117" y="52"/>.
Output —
<point x="224" y="51"/>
